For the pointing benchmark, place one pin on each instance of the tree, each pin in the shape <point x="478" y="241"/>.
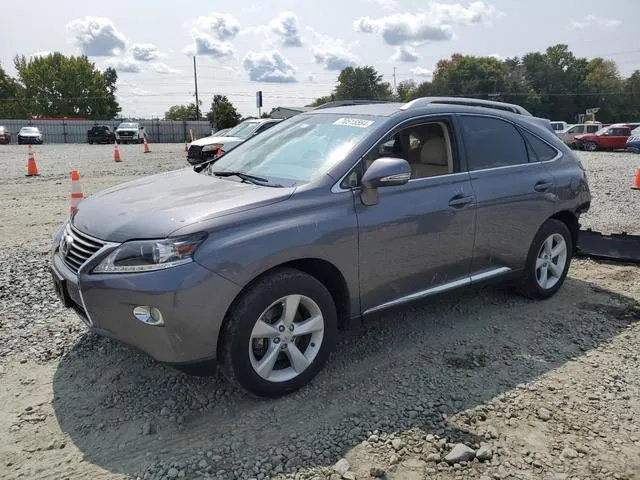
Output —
<point x="406" y="90"/>
<point x="11" y="97"/>
<point x="181" y="112"/>
<point x="356" y="83"/>
<point x="61" y="86"/>
<point x="223" y="114"/>
<point x="319" y="101"/>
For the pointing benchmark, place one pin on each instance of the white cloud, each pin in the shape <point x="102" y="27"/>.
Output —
<point x="405" y="54"/>
<point x="433" y="24"/>
<point x="97" y="36"/>
<point x="164" y="69"/>
<point x="593" y="21"/>
<point x="123" y="65"/>
<point x="44" y="53"/>
<point x="497" y="56"/>
<point x="331" y="52"/>
<point x="207" y="45"/>
<point x="221" y="25"/>
<point x="141" y="92"/>
<point x="269" y="66"/>
<point x="285" y="27"/>
<point x="212" y="34"/>
<point x="144" y="52"/>
<point x="422" y="72"/>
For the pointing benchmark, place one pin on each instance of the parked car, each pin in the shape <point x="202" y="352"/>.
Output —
<point x="633" y="142"/>
<point x="256" y="259"/>
<point x="558" y="126"/>
<point x="5" y="135"/>
<point x="613" y="137"/>
<point x="29" y="135"/>
<point x="130" y="132"/>
<point x="568" y="135"/>
<point x="101" y="134"/>
<point x="207" y="147"/>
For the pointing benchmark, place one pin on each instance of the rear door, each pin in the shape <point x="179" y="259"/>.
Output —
<point x="515" y="192"/>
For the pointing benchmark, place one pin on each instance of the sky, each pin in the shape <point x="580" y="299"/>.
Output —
<point x="293" y="51"/>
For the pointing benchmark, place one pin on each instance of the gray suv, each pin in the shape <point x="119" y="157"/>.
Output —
<point x="256" y="259"/>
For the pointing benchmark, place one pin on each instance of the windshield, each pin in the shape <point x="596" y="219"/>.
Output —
<point x="602" y="131"/>
<point x="242" y="130"/>
<point x="299" y="149"/>
<point x="29" y="130"/>
<point x="127" y="125"/>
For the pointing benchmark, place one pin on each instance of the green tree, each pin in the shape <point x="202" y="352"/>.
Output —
<point x="11" y="97"/>
<point x="223" y="114"/>
<point x="319" y="101"/>
<point x="406" y="91"/>
<point x="181" y="112"/>
<point x="355" y="83"/>
<point x="61" y="86"/>
<point x="466" y="75"/>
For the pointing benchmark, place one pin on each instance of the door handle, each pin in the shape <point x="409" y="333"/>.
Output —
<point x="460" y="201"/>
<point x="542" y="186"/>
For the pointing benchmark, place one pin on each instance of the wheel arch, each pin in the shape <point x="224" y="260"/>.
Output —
<point x="323" y="271"/>
<point x="571" y="221"/>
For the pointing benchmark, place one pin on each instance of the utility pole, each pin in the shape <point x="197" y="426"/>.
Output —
<point x="195" y="79"/>
<point x="394" y="80"/>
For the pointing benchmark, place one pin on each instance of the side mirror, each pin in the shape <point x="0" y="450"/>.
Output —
<point x="383" y="172"/>
<point x="386" y="172"/>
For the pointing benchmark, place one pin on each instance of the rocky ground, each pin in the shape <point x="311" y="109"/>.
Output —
<point x="478" y="384"/>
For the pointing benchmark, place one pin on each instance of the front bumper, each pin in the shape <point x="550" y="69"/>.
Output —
<point x="33" y="140"/>
<point x="193" y="302"/>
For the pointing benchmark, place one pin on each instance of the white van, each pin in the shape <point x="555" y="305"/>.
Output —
<point x="558" y="126"/>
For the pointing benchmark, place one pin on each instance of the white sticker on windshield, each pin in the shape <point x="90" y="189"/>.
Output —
<point x="354" y="122"/>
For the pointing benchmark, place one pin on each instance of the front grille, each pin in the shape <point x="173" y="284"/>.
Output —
<point x="76" y="248"/>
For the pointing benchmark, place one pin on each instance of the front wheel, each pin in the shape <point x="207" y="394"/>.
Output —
<point x="548" y="261"/>
<point x="590" y="146"/>
<point x="278" y="334"/>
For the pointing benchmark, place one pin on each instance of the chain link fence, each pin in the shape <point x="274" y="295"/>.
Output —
<point x="75" y="131"/>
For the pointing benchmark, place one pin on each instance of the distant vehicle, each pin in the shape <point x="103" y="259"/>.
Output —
<point x="101" y="134"/>
<point x="613" y="137"/>
<point x="558" y="126"/>
<point x="207" y="147"/>
<point x="130" y="132"/>
<point x="568" y="135"/>
<point x="633" y="142"/>
<point x="5" y="135"/>
<point x="29" y="135"/>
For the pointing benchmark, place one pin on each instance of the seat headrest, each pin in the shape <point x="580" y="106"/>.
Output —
<point x="434" y="152"/>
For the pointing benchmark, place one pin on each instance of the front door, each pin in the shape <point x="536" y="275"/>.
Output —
<point x="418" y="238"/>
<point x="514" y="189"/>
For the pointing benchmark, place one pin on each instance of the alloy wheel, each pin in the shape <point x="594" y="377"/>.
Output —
<point x="551" y="261"/>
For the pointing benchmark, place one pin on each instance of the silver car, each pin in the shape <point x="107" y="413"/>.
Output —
<point x="256" y="259"/>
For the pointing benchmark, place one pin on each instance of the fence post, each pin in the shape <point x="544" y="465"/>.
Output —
<point x="64" y="131"/>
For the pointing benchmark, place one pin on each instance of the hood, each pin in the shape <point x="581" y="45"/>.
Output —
<point x="585" y="136"/>
<point x="201" y="142"/>
<point x="155" y="206"/>
<point x="30" y="134"/>
<point x="126" y="129"/>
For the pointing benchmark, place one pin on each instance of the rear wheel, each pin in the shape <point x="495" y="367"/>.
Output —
<point x="279" y="334"/>
<point x="590" y="146"/>
<point x="548" y="261"/>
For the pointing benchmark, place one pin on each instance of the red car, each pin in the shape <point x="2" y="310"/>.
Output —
<point x="613" y="137"/>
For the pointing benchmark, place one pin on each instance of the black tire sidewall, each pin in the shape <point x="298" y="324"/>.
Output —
<point x="235" y="360"/>
<point x="530" y="283"/>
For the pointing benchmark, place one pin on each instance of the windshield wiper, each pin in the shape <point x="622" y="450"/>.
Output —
<point x="245" y="176"/>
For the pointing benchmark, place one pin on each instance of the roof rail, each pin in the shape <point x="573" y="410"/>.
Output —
<point x="471" y="102"/>
<point x="345" y="103"/>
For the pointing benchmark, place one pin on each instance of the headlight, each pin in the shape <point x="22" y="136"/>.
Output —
<point x="149" y="255"/>
<point x="214" y="146"/>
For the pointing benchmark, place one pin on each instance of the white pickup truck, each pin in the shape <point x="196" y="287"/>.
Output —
<point x="130" y="132"/>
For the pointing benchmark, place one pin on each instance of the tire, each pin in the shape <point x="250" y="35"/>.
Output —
<point x="590" y="146"/>
<point x="242" y="349"/>
<point x="531" y="284"/>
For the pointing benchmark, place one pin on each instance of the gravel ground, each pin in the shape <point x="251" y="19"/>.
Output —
<point x="475" y="384"/>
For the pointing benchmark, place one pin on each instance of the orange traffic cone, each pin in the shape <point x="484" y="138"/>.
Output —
<point x="116" y="152"/>
<point x="32" y="168"/>
<point x="219" y="152"/>
<point x="76" y="191"/>
<point x="146" y="146"/>
<point x="636" y="182"/>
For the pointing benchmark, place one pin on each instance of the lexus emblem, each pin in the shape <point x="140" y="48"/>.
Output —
<point x="65" y="244"/>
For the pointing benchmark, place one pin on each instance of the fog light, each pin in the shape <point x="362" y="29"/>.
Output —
<point x="149" y="315"/>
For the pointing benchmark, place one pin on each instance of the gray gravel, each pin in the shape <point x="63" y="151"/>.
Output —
<point x="519" y="389"/>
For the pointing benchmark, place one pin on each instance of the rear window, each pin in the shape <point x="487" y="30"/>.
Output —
<point x="539" y="151"/>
